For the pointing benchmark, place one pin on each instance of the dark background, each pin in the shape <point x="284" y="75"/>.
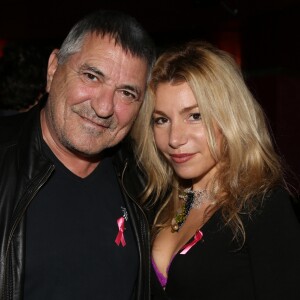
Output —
<point x="263" y="36"/>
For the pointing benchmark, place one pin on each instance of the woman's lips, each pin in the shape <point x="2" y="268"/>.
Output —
<point x="181" y="158"/>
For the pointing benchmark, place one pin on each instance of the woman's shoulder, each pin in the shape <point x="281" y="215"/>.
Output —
<point x="276" y="209"/>
<point x="279" y="198"/>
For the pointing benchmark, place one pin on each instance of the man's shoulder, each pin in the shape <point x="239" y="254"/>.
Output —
<point x="12" y="126"/>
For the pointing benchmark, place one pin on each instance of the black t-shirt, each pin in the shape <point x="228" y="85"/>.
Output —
<point x="70" y="238"/>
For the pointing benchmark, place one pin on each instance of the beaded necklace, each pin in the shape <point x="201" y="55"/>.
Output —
<point x="190" y="199"/>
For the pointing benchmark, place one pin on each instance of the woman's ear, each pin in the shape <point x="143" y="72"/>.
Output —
<point x="52" y="66"/>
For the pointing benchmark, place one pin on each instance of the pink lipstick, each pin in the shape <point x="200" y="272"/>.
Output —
<point x="181" y="158"/>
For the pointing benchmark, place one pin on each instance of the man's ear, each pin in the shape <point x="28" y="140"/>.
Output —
<point x="52" y="66"/>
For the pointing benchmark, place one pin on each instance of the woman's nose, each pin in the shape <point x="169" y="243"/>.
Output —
<point x="177" y="135"/>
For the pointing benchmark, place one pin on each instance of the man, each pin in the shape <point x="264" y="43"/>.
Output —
<point x="70" y="226"/>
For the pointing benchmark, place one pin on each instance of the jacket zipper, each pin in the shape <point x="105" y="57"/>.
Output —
<point x="18" y="219"/>
<point x="123" y="186"/>
<point x="138" y="205"/>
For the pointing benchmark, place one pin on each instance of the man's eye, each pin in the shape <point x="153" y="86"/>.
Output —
<point x="90" y="76"/>
<point x="129" y="96"/>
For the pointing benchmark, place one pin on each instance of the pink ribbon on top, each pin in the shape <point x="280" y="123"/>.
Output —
<point x="120" y="236"/>
<point x="197" y="237"/>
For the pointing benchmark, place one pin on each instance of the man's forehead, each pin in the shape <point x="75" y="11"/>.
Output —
<point x="109" y="41"/>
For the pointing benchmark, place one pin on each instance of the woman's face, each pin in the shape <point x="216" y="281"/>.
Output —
<point x="181" y="135"/>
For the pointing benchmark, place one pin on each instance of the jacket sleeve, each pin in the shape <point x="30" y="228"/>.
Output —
<point x="274" y="248"/>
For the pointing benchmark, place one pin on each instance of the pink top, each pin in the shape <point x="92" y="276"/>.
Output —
<point x="161" y="278"/>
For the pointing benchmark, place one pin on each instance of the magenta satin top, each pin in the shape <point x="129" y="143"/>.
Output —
<point x="161" y="278"/>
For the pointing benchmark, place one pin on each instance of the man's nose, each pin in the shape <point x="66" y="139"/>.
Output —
<point x="103" y="102"/>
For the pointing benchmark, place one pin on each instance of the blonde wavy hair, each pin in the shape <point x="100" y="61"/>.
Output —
<point x="248" y="166"/>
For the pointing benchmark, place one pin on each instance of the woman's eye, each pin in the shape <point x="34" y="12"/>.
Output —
<point x="195" y="117"/>
<point x="159" y="120"/>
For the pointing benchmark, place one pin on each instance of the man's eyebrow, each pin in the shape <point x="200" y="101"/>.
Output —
<point x="86" y="67"/>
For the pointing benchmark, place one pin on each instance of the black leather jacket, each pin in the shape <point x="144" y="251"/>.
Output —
<point x="23" y="171"/>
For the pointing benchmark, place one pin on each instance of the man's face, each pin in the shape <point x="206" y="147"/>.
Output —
<point x="94" y="97"/>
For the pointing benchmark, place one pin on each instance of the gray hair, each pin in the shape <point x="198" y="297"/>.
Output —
<point x="124" y="29"/>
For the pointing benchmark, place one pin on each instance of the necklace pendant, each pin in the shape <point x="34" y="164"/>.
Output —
<point x="190" y="199"/>
<point x="174" y="228"/>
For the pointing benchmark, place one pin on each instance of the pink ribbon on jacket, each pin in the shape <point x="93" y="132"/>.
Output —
<point x="120" y="236"/>
<point x="197" y="237"/>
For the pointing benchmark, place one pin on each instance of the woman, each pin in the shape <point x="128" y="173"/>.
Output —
<point x="225" y="227"/>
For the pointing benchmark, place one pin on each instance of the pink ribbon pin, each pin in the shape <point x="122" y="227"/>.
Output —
<point x="120" y="236"/>
<point x="197" y="237"/>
